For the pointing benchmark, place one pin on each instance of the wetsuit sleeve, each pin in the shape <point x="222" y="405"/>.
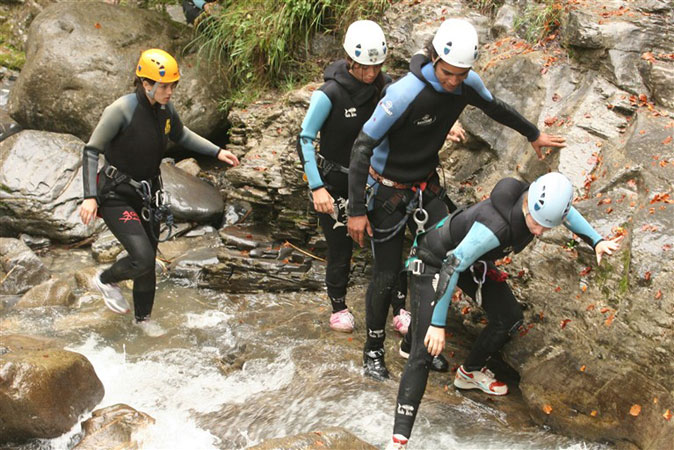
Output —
<point x="319" y="110"/>
<point x="192" y="141"/>
<point x="187" y="138"/>
<point x="575" y="222"/>
<point x="479" y="95"/>
<point x="112" y="121"/>
<point x="477" y="242"/>
<point x="199" y="3"/>
<point x="386" y="114"/>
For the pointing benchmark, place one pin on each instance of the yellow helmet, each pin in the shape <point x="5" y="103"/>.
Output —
<point x="157" y="65"/>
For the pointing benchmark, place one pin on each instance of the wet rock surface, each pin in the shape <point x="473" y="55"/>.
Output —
<point x="328" y="438"/>
<point x="113" y="427"/>
<point x="50" y="385"/>
<point x="67" y="98"/>
<point x="41" y="179"/>
<point x="20" y="268"/>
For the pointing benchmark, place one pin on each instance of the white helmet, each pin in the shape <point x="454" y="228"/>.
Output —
<point x="365" y="43"/>
<point x="456" y="43"/>
<point x="550" y="199"/>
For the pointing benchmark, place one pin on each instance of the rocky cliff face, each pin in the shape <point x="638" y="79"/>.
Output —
<point x="595" y="354"/>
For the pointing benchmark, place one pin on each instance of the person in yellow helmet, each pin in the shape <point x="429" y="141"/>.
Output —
<point x="133" y="134"/>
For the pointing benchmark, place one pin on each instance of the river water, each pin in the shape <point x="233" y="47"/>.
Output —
<point x="233" y="370"/>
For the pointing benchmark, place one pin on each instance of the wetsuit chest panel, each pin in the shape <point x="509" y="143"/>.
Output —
<point x="139" y="148"/>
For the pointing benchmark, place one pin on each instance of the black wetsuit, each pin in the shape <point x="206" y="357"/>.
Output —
<point x="476" y="236"/>
<point x="133" y="135"/>
<point x="401" y="142"/>
<point x="338" y="109"/>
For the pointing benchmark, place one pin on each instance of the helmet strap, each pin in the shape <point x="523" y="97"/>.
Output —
<point x="435" y="61"/>
<point x="152" y="91"/>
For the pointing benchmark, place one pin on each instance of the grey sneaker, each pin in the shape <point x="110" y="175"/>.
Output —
<point x="112" y="296"/>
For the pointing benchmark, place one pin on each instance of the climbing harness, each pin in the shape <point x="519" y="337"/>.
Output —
<point x="155" y="207"/>
<point x="414" y="207"/>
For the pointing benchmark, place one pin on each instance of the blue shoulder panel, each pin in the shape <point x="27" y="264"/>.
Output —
<point x="576" y="222"/>
<point x="319" y="110"/>
<point x="473" y="80"/>
<point x="477" y="242"/>
<point x="398" y="97"/>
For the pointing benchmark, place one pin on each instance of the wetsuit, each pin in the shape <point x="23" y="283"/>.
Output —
<point x="133" y="135"/>
<point x="338" y="110"/>
<point x="471" y="238"/>
<point x="194" y="8"/>
<point x="400" y="143"/>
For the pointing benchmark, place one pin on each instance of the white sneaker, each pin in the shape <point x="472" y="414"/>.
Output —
<point x="112" y="296"/>
<point x="397" y="442"/>
<point x="483" y="380"/>
<point x="342" y="321"/>
<point x="151" y="328"/>
<point x="401" y="322"/>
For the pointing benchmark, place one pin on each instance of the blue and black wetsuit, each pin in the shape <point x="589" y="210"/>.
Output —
<point x="401" y="142"/>
<point x="338" y="110"/>
<point x="486" y="231"/>
<point x="133" y="135"/>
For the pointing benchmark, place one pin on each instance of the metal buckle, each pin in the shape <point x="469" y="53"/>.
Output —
<point x="386" y="182"/>
<point x="417" y="267"/>
<point x="111" y="171"/>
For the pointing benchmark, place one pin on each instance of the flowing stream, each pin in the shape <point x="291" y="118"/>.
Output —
<point x="233" y="370"/>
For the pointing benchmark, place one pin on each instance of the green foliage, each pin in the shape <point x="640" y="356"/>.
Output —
<point x="539" y="20"/>
<point x="264" y="43"/>
<point x="10" y="56"/>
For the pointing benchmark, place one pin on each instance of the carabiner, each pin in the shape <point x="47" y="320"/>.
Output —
<point x="421" y="222"/>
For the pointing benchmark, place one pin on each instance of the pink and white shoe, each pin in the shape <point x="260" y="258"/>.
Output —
<point x="401" y="322"/>
<point x="397" y="442"/>
<point x="342" y="321"/>
<point x="483" y="380"/>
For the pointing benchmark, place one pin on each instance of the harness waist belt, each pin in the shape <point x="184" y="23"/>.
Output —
<point x="379" y="178"/>
<point x="323" y="163"/>
<point x="118" y="176"/>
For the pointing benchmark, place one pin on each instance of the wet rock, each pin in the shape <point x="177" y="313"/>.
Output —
<point x="41" y="179"/>
<point x="35" y="242"/>
<point x="106" y="247"/>
<point x="192" y="199"/>
<point x="332" y="437"/>
<point x="189" y="166"/>
<point x="660" y="80"/>
<point x="8" y="126"/>
<point x="190" y="264"/>
<point x="54" y="292"/>
<point x="43" y="392"/>
<point x="83" y="43"/>
<point x="20" y="268"/>
<point x="113" y="427"/>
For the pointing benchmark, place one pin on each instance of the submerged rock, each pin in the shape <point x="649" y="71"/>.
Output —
<point x="113" y="427"/>
<point x="333" y="437"/>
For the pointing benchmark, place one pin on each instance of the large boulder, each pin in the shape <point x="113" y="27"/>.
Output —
<point x="41" y="179"/>
<point x="20" y="268"/>
<point x="54" y="292"/>
<point x="80" y="57"/>
<point x="192" y="199"/>
<point x="43" y="390"/>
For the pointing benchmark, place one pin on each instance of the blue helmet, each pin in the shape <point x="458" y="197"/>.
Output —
<point x="550" y="199"/>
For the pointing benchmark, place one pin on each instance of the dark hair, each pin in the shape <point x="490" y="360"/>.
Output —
<point x="378" y="82"/>
<point x="138" y="81"/>
<point x="430" y="50"/>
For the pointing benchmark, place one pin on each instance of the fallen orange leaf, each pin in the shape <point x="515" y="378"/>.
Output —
<point x="658" y="295"/>
<point x="594" y="413"/>
<point x="590" y="307"/>
<point x="609" y="321"/>
<point x="547" y="409"/>
<point x="667" y="415"/>
<point x="582" y="368"/>
<point x="604" y="310"/>
<point x="647" y="276"/>
<point x="667" y="140"/>
<point x="585" y="271"/>
<point x="635" y="410"/>
<point x="564" y="322"/>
